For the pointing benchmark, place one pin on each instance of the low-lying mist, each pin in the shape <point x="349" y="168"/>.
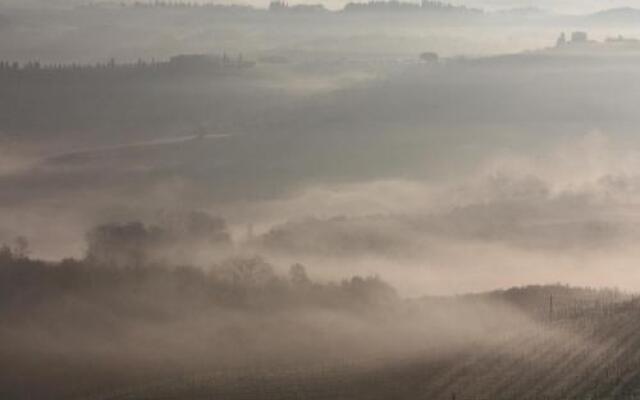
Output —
<point x="567" y="215"/>
<point x="380" y="200"/>
<point x="122" y="316"/>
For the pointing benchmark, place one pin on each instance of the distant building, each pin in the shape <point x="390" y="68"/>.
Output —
<point x="579" y="37"/>
<point x="562" y="40"/>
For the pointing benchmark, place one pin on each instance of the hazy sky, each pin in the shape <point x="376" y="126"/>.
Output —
<point x="571" y="6"/>
<point x="567" y="6"/>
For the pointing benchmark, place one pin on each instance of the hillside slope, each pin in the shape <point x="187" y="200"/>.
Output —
<point x="594" y="355"/>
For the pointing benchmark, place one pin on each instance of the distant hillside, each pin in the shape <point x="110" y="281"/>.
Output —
<point x="617" y="15"/>
<point x="555" y="301"/>
<point x="526" y="12"/>
<point x="594" y="356"/>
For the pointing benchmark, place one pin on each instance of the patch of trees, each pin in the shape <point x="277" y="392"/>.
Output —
<point x="191" y="5"/>
<point x="109" y="323"/>
<point x="185" y="63"/>
<point x="280" y="6"/>
<point x="117" y="279"/>
<point x="401" y="6"/>
<point x="134" y="244"/>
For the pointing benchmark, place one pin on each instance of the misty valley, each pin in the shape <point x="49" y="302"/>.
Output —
<point x="85" y="329"/>
<point x="332" y="200"/>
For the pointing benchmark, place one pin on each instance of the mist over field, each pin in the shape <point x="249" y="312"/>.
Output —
<point x="334" y="201"/>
